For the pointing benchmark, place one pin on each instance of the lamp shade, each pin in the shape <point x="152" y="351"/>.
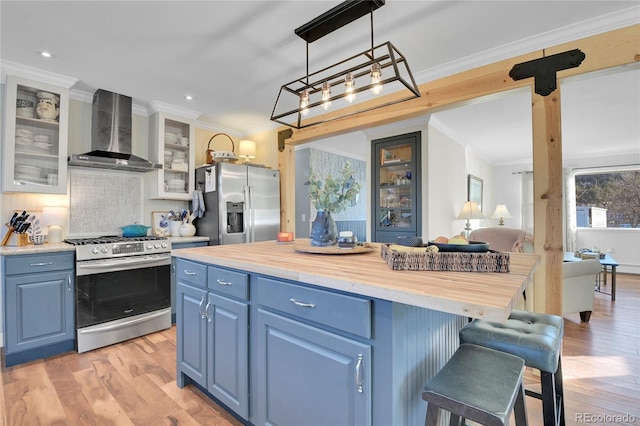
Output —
<point x="247" y="149"/>
<point x="470" y="210"/>
<point x="501" y="212"/>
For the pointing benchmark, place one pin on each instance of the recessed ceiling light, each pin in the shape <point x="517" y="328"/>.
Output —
<point x="45" y="54"/>
<point x="188" y="97"/>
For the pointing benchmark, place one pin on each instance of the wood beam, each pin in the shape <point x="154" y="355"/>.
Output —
<point x="607" y="50"/>
<point x="547" y="201"/>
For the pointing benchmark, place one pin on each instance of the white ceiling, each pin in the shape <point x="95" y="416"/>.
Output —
<point x="233" y="56"/>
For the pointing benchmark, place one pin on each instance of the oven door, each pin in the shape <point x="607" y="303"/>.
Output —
<point x="111" y="289"/>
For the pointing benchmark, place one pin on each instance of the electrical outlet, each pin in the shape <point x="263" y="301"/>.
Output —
<point x="303" y="217"/>
<point x="611" y="250"/>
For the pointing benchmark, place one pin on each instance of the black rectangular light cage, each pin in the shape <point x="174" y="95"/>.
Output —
<point x="396" y="79"/>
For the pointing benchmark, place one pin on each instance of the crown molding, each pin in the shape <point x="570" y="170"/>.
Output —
<point x="157" y="106"/>
<point x="13" y="68"/>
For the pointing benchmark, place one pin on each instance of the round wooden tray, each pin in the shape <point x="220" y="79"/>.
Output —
<point x="306" y="247"/>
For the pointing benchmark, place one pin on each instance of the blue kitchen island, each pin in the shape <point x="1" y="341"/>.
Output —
<point x="282" y="337"/>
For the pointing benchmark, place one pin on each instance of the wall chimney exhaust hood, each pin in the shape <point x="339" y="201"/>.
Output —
<point x="111" y="124"/>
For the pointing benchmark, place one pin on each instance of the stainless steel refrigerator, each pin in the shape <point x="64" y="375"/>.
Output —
<point x="242" y="203"/>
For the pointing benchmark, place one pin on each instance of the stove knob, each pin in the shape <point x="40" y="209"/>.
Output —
<point x="149" y="246"/>
<point x="95" y="251"/>
<point x="165" y="245"/>
<point x="157" y="246"/>
<point x="104" y="250"/>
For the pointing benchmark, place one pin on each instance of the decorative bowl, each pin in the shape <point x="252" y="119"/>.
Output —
<point x="170" y="138"/>
<point x="38" y="239"/>
<point x="473" y="246"/>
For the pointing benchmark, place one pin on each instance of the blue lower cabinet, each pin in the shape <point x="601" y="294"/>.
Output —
<point x="308" y="376"/>
<point x="39" y="306"/>
<point x="212" y="339"/>
<point x="177" y="246"/>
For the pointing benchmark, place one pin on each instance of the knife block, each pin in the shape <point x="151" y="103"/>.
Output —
<point x="13" y="239"/>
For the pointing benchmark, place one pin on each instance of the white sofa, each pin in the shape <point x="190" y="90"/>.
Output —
<point x="578" y="277"/>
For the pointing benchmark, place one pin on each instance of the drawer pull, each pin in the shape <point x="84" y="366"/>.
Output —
<point x="302" y="304"/>
<point x="187" y="272"/>
<point x="224" y="282"/>
<point x="359" y="382"/>
<point x="41" y="264"/>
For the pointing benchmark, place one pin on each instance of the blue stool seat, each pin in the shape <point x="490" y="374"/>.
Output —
<point x="479" y="384"/>
<point x="537" y="339"/>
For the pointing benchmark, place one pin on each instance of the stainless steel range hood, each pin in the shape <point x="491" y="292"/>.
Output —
<point x="111" y="123"/>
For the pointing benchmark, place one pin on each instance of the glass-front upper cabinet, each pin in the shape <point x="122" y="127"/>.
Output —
<point x="35" y="137"/>
<point x="173" y="146"/>
<point x="396" y="187"/>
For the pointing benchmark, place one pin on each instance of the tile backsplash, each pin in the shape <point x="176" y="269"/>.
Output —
<point x="100" y="203"/>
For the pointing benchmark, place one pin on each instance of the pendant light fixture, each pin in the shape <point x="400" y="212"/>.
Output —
<point x="358" y="80"/>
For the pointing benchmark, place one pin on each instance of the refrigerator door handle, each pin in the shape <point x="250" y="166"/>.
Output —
<point x="249" y="225"/>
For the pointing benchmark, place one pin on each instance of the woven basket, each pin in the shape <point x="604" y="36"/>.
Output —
<point x="445" y="261"/>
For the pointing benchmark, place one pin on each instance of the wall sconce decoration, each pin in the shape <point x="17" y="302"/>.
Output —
<point x="247" y="149"/>
<point x="501" y="213"/>
<point x="469" y="211"/>
<point x="350" y="86"/>
<point x="55" y="218"/>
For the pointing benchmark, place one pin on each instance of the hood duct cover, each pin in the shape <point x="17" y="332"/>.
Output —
<point x="111" y="124"/>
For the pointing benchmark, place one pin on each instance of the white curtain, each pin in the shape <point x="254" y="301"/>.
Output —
<point x="527" y="201"/>
<point x="569" y="177"/>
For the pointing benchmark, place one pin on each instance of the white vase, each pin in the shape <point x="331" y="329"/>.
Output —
<point x="174" y="227"/>
<point x="187" y="230"/>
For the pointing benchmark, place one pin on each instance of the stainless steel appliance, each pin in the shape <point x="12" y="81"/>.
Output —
<point x="111" y="128"/>
<point x="242" y="203"/>
<point x="123" y="288"/>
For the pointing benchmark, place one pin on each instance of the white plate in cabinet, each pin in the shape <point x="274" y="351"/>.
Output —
<point x="172" y="145"/>
<point x="35" y="149"/>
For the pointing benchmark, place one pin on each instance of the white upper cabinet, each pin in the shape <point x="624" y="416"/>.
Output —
<point x="172" y="145"/>
<point x="35" y="137"/>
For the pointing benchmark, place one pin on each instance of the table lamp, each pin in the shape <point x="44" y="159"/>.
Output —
<point x="247" y="150"/>
<point x="501" y="213"/>
<point x="469" y="211"/>
<point x="55" y="218"/>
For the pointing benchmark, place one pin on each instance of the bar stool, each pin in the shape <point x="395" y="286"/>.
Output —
<point x="479" y="384"/>
<point x="536" y="338"/>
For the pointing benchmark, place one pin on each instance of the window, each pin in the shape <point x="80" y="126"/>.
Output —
<point x="608" y="199"/>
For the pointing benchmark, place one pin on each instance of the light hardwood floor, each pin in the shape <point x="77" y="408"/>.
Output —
<point x="133" y="383"/>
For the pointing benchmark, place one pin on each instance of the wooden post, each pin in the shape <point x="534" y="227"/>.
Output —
<point x="547" y="201"/>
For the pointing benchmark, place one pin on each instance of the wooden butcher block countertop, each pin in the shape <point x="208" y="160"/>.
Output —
<point x="487" y="295"/>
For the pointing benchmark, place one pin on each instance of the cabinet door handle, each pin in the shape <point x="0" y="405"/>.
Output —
<point x="206" y="311"/>
<point x="302" y="304"/>
<point x="41" y="264"/>
<point x="224" y="282"/>
<point x="202" y="314"/>
<point x="69" y="283"/>
<point x="359" y="375"/>
<point x="187" y="272"/>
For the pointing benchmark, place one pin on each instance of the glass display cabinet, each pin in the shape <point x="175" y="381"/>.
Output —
<point x="396" y="187"/>
<point x="35" y="137"/>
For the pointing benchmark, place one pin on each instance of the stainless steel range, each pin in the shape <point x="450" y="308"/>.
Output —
<point x="123" y="288"/>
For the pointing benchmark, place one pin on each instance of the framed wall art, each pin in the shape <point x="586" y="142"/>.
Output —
<point x="474" y="190"/>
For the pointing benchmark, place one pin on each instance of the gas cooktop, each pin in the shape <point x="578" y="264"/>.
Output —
<point x="109" y="239"/>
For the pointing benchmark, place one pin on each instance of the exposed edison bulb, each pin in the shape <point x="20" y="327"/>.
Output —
<point x="304" y="102"/>
<point x="349" y="85"/>
<point x="326" y="95"/>
<point x="376" y="78"/>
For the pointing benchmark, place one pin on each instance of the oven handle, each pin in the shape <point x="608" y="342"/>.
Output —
<point x="159" y="261"/>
